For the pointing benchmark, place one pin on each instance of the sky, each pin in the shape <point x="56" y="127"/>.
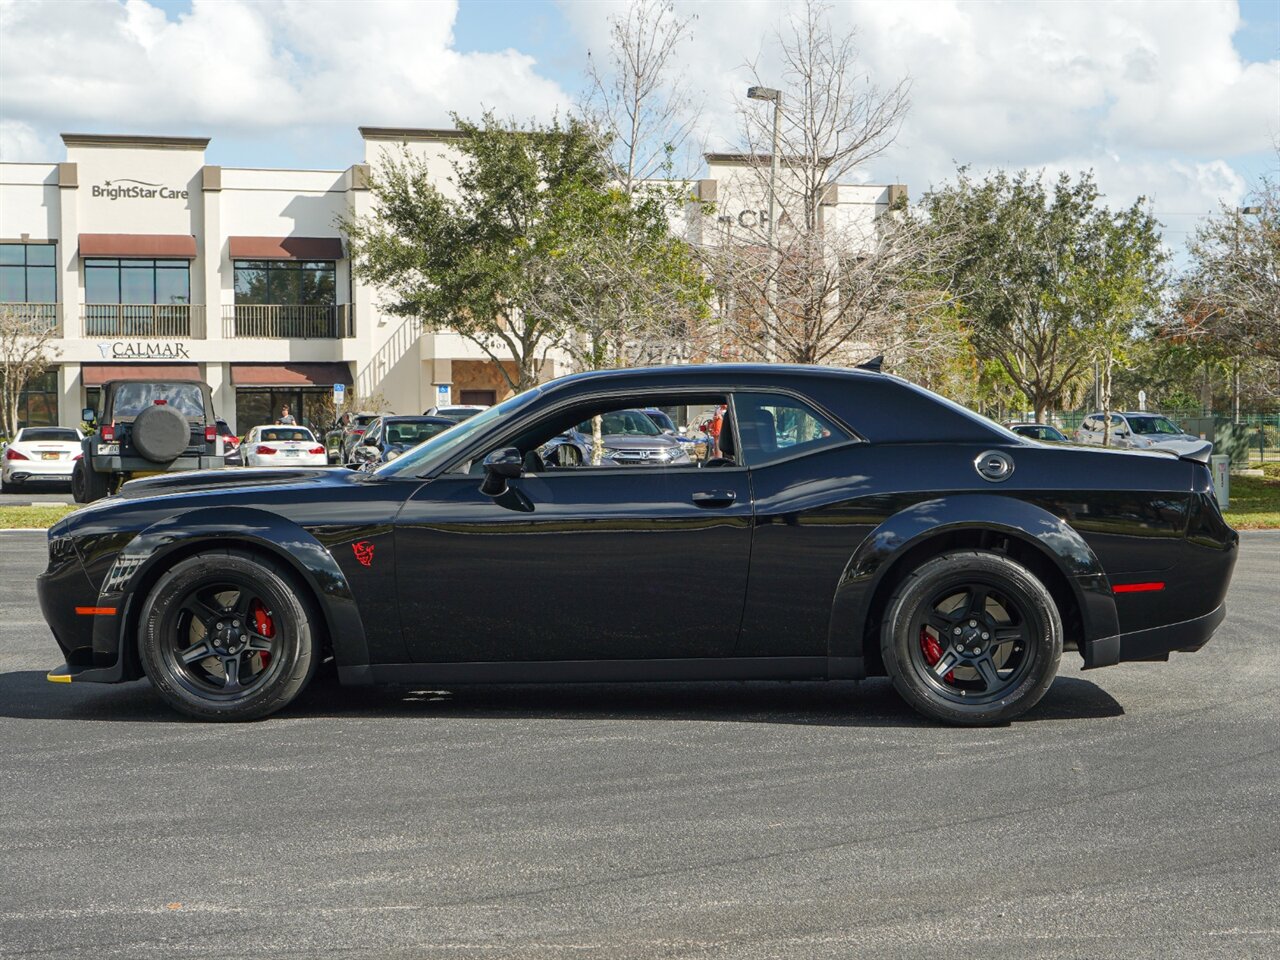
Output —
<point x="1176" y="101"/>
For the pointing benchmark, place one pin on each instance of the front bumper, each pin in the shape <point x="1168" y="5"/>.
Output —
<point x="1155" y="643"/>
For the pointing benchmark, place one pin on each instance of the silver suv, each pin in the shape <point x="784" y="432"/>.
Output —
<point x="1133" y="431"/>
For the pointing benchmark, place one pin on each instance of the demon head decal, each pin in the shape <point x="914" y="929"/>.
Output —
<point x="364" y="552"/>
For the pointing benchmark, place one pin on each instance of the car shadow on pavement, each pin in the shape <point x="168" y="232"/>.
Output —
<point x="872" y="703"/>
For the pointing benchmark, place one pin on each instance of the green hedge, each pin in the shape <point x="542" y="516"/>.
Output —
<point x="1271" y="471"/>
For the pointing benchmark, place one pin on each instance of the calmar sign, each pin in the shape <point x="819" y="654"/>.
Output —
<point x="144" y="350"/>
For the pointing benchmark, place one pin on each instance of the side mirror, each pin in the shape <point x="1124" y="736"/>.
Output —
<point x="88" y="415"/>
<point x="365" y="454"/>
<point x="499" y="467"/>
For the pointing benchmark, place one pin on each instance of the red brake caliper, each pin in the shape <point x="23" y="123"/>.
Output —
<point x="933" y="652"/>
<point x="262" y="622"/>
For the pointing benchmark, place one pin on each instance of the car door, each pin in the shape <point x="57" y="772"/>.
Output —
<point x="614" y="563"/>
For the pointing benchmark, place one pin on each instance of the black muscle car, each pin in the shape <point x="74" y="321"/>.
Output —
<point x="852" y="525"/>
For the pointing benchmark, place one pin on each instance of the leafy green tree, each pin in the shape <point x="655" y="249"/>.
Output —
<point x="1051" y="279"/>
<point x="477" y="262"/>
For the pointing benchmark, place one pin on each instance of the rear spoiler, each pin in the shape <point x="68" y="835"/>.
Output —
<point x="1197" y="450"/>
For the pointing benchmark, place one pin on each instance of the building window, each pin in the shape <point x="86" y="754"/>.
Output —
<point x="28" y="273"/>
<point x="286" y="282"/>
<point x="153" y="282"/>
<point x="38" y="403"/>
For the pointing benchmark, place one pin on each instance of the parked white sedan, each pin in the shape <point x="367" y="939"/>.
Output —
<point x="281" y="446"/>
<point x="40" y="455"/>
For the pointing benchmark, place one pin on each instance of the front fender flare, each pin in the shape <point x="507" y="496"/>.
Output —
<point x="1051" y="536"/>
<point x="224" y="527"/>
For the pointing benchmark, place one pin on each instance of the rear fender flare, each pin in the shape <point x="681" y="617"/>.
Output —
<point x="224" y="528"/>
<point x="1049" y="535"/>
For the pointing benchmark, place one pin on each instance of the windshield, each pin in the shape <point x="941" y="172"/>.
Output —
<point x="452" y="440"/>
<point x="623" y="423"/>
<point x="1152" y="425"/>
<point x="662" y="420"/>
<point x="132" y="398"/>
<point x="35" y="434"/>
<point x="413" y="432"/>
<point x="287" y="434"/>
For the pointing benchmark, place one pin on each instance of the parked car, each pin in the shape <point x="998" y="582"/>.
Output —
<point x="388" y="437"/>
<point x="664" y="423"/>
<point x="274" y="445"/>
<point x="456" y="412"/>
<point x="40" y="455"/>
<point x="900" y="535"/>
<point x="1045" y="432"/>
<point x="629" y="438"/>
<point x="147" y="426"/>
<point x="1135" y="431"/>
<point x="342" y="439"/>
<point x="230" y="445"/>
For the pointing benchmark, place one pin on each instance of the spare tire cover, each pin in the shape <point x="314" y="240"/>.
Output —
<point x="161" y="434"/>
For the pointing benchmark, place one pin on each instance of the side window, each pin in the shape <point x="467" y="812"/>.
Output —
<point x="775" y="426"/>
<point x="619" y="435"/>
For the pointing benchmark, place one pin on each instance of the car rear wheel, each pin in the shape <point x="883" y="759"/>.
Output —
<point x="971" y="637"/>
<point x="226" y="636"/>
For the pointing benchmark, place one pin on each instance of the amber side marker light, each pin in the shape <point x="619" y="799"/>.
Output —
<point x="1137" y="587"/>
<point x="96" y="611"/>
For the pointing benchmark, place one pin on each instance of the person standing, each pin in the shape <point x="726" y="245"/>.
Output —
<point x="286" y="417"/>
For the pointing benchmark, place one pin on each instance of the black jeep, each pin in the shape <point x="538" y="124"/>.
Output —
<point x="147" y="426"/>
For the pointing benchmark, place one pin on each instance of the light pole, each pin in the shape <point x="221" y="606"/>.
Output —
<point x="771" y="289"/>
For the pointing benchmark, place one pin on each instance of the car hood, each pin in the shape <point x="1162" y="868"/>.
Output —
<point x="196" y="481"/>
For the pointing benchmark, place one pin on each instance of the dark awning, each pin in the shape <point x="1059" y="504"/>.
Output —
<point x="96" y="374"/>
<point x="286" y="248"/>
<point x="176" y="245"/>
<point x="290" y="374"/>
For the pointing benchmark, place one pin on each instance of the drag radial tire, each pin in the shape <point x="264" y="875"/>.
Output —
<point x="971" y="637"/>
<point x="225" y="635"/>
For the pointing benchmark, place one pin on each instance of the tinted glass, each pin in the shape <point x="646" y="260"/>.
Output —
<point x="101" y="284"/>
<point x="132" y="398"/>
<point x="625" y="423"/>
<point x="40" y="254"/>
<point x="137" y="284"/>
<point x="286" y="434"/>
<point x="1153" y="425"/>
<point x="13" y="253"/>
<point x="413" y="432"/>
<point x="661" y="420"/>
<point x="13" y="284"/>
<point x="42" y="285"/>
<point x="48" y="434"/>
<point x="772" y="426"/>
<point x="172" y="286"/>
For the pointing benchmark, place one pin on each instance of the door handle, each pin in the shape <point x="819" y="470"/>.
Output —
<point x="714" y="498"/>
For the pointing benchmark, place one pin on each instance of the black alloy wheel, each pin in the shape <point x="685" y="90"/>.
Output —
<point x="225" y="636"/>
<point x="972" y="637"/>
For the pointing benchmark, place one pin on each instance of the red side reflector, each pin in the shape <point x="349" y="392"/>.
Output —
<point x="1138" y="587"/>
<point x="96" y="611"/>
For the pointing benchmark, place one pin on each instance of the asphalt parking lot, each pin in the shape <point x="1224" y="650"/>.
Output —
<point x="1132" y="814"/>
<point x="28" y="493"/>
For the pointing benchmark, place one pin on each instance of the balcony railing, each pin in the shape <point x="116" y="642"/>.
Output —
<point x="287" y="321"/>
<point x="41" y="316"/>
<point x="178" y="320"/>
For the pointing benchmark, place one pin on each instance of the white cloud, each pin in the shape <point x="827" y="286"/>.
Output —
<point x="243" y="68"/>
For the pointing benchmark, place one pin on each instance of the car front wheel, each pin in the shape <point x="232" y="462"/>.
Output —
<point x="971" y="637"/>
<point x="225" y="636"/>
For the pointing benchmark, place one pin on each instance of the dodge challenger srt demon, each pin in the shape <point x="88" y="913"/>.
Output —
<point x="851" y="525"/>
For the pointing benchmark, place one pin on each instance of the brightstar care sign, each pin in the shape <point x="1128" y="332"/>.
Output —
<point x="125" y="189"/>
